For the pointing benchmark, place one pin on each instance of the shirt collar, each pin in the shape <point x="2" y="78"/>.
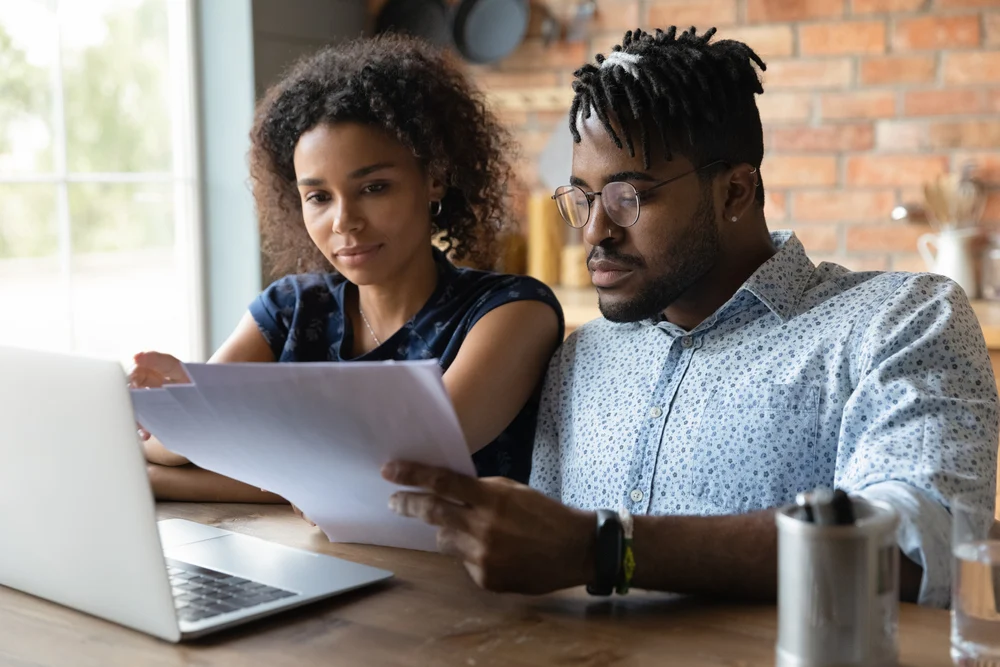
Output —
<point x="781" y="280"/>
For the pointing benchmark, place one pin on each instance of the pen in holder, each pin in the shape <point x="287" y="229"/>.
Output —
<point x="838" y="582"/>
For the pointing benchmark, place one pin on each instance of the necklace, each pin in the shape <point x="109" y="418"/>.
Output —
<point x="367" y="324"/>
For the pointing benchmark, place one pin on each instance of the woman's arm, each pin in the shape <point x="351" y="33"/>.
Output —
<point x="499" y="366"/>
<point x="193" y="484"/>
<point x="154" y="369"/>
<point x="171" y="475"/>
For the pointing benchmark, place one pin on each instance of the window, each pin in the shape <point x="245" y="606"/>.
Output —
<point x="99" y="233"/>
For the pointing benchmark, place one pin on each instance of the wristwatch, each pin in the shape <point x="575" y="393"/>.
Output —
<point x="607" y="553"/>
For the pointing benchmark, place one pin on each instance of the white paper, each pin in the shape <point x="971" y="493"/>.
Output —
<point x="316" y="434"/>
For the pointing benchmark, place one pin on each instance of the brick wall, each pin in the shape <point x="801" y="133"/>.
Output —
<point x="864" y="100"/>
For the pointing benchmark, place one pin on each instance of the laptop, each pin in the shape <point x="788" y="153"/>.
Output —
<point x="78" y="524"/>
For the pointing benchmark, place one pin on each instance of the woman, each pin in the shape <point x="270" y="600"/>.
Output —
<point x="359" y="157"/>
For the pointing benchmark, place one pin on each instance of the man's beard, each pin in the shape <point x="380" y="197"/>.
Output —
<point x="689" y="258"/>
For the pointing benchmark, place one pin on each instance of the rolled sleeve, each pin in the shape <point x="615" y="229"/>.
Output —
<point x="921" y="425"/>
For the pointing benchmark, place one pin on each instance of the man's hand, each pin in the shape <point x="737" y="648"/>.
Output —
<point x="510" y="537"/>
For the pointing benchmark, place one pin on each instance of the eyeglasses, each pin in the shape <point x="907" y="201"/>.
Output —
<point x="621" y="200"/>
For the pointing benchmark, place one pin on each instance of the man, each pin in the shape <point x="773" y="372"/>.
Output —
<point x="729" y="372"/>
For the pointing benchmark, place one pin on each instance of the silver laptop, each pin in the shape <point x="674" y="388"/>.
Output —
<point x="78" y="526"/>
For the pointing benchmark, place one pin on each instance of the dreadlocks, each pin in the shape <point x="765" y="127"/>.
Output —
<point x="700" y="96"/>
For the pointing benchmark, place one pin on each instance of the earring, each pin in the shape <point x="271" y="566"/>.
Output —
<point x="436" y="207"/>
<point x="734" y="218"/>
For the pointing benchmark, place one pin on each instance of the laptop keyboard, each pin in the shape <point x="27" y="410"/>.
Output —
<point x="200" y="593"/>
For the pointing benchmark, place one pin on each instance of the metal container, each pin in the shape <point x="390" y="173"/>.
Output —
<point x="838" y="589"/>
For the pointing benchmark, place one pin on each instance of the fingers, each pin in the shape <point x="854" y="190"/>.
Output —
<point x="440" y="481"/>
<point x="430" y="509"/>
<point x="165" y="365"/>
<point x="145" y="378"/>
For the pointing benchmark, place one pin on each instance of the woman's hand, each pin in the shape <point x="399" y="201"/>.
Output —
<point x="153" y="370"/>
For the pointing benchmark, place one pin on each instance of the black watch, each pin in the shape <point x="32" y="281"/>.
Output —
<point x="607" y="553"/>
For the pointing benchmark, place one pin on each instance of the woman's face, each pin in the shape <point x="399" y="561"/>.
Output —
<point x="365" y="200"/>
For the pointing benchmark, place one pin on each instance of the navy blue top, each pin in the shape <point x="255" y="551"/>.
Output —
<point x="302" y="318"/>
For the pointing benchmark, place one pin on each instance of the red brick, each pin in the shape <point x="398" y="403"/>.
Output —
<point x="846" y="205"/>
<point x="884" y="6"/>
<point x="494" y="80"/>
<point x="896" y="136"/>
<point x="936" y="32"/>
<point x="898" y="69"/>
<point x="687" y="13"/>
<point x="775" y="205"/>
<point x="770" y="11"/>
<point x="953" y="4"/>
<point x="797" y="170"/>
<point x="533" y="52"/>
<point x="815" y="238"/>
<point x="943" y="102"/>
<point x="987" y="163"/>
<point x="808" y="74"/>
<point x="991" y="214"/>
<point x="511" y="118"/>
<point x="867" y="104"/>
<point x="769" y="41"/>
<point x="992" y="21"/>
<point x="993" y="101"/>
<point x="910" y="262"/>
<point x="845" y="37"/>
<point x="972" y="67"/>
<point x="611" y="15"/>
<point x="829" y="138"/>
<point x="965" y="134"/>
<point x="874" y="170"/>
<point x="854" y="262"/>
<point x="886" y="238"/>
<point x="784" y="107"/>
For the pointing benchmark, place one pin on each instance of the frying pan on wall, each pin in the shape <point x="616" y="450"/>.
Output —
<point x="485" y="31"/>
<point x="427" y="19"/>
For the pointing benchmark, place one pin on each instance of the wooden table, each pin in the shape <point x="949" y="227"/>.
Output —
<point x="430" y="614"/>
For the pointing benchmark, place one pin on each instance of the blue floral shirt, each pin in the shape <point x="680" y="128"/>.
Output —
<point x="877" y="383"/>
<point x="302" y="318"/>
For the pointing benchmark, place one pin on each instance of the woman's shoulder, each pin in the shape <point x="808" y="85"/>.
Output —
<point x="514" y="287"/>
<point x="303" y="289"/>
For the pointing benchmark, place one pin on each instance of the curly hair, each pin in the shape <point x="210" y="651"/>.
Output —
<point x="412" y="91"/>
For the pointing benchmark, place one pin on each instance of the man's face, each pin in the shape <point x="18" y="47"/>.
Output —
<point x="640" y="270"/>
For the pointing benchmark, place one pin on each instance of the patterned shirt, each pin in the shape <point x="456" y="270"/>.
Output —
<point x="877" y="383"/>
<point x="302" y="318"/>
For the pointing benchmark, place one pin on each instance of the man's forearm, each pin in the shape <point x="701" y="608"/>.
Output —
<point x="728" y="556"/>
<point x="735" y="557"/>
<point x="193" y="484"/>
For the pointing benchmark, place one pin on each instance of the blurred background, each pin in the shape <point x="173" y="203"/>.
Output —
<point x="126" y="222"/>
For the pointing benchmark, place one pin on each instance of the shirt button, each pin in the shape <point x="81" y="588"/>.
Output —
<point x="655" y="412"/>
<point x="686" y="342"/>
<point x="636" y="495"/>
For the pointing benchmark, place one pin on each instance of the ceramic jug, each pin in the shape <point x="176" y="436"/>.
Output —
<point x="950" y="253"/>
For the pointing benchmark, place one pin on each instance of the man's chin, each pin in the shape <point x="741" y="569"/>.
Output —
<point x="623" y="308"/>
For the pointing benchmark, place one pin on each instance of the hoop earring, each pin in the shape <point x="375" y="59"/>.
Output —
<point x="753" y="174"/>
<point x="436" y="207"/>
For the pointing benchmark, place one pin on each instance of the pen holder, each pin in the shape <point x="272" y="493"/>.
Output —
<point x="838" y="589"/>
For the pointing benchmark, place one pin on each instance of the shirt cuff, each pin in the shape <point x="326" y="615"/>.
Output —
<point x="924" y="536"/>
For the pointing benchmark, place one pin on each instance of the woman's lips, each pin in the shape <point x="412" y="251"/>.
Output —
<point x="359" y="254"/>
